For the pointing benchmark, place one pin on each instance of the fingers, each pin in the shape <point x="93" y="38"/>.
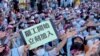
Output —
<point x="94" y="47"/>
<point x="71" y="33"/>
<point x="96" y="43"/>
<point x="26" y="48"/>
<point x="90" y="23"/>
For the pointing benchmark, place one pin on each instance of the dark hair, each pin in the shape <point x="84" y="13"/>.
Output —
<point x="91" y="27"/>
<point x="76" y="38"/>
<point x="86" y="18"/>
<point x="20" y="26"/>
<point x="76" y="45"/>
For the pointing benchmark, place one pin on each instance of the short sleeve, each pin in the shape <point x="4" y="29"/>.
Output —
<point x="17" y="51"/>
<point x="21" y="49"/>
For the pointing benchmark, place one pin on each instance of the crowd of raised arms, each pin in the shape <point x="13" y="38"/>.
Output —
<point x="77" y="24"/>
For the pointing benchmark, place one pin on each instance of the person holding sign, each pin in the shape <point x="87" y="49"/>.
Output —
<point x="52" y="51"/>
<point x="5" y="51"/>
<point x="22" y="50"/>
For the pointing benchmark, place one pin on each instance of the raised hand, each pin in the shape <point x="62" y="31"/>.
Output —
<point x="26" y="48"/>
<point x="90" y="23"/>
<point x="93" y="48"/>
<point x="71" y="33"/>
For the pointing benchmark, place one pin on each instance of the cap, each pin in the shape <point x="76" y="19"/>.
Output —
<point x="80" y="36"/>
<point x="36" y="15"/>
<point x="13" y="22"/>
<point x="66" y="9"/>
<point x="31" y="21"/>
<point x="32" y="17"/>
<point x="10" y="27"/>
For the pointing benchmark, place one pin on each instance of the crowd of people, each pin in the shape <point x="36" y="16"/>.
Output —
<point x="78" y="27"/>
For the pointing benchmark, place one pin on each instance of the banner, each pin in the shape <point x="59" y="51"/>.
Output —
<point x="22" y="3"/>
<point x="77" y="2"/>
<point x="39" y="34"/>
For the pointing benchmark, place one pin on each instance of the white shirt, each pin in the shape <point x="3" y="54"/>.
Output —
<point x="17" y="51"/>
<point x="53" y="52"/>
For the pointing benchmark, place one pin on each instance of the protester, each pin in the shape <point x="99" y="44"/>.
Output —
<point x="76" y="22"/>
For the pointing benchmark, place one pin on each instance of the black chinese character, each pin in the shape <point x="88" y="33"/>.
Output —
<point x="49" y="33"/>
<point x="34" y="30"/>
<point x="46" y="25"/>
<point x="37" y="38"/>
<point x="31" y="40"/>
<point x="28" y="33"/>
<point x="40" y="28"/>
<point x="43" y="36"/>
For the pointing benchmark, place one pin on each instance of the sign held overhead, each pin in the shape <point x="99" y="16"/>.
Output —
<point x="39" y="34"/>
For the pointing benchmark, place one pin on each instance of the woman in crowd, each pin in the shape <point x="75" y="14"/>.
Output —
<point x="40" y="51"/>
<point x="83" y="19"/>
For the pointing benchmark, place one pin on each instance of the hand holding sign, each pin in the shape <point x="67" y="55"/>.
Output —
<point x="26" y="48"/>
<point x="39" y="34"/>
